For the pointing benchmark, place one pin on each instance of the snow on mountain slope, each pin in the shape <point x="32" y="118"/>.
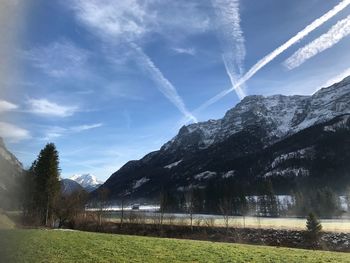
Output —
<point x="279" y="115"/>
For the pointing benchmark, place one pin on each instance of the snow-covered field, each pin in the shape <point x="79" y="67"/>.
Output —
<point x="149" y="214"/>
<point x="333" y="225"/>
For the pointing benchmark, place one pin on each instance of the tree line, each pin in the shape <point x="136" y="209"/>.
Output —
<point x="231" y="199"/>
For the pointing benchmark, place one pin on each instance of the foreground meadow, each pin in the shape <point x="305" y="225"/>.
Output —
<point x="74" y="246"/>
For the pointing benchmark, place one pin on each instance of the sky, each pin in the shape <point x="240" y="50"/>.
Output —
<point x="109" y="81"/>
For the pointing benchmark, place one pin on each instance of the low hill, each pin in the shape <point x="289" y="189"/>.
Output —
<point x="69" y="186"/>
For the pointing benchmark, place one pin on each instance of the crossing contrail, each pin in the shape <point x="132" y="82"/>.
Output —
<point x="267" y="59"/>
<point x="232" y="40"/>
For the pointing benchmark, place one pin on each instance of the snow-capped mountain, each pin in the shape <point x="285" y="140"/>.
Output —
<point x="280" y="116"/>
<point x="88" y="181"/>
<point x="272" y="137"/>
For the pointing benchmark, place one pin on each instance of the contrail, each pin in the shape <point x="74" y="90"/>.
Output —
<point x="232" y="40"/>
<point x="327" y="40"/>
<point x="164" y="84"/>
<point x="124" y="22"/>
<point x="267" y="59"/>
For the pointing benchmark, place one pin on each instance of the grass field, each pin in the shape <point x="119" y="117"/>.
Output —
<point x="71" y="246"/>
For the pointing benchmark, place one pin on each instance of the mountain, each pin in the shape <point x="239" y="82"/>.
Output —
<point x="10" y="170"/>
<point x="88" y="181"/>
<point x="69" y="186"/>
<point x="288" y="140"/>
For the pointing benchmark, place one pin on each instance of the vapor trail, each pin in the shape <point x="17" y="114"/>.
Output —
<point x="164" y="84"/>
<point x="325" y="41"/>
<point x="267" y="59"/>
<point x="120" y="23"/>
<point x="232" y="40"/>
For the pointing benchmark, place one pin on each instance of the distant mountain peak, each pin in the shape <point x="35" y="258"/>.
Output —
<point x="88" y="181"/>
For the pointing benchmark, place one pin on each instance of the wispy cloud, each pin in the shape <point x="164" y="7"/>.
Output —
<point x="121" y="22"/>
<point x="116" y="19"/>
<point x="134" y="19"/>
<point x="7" y="106"/>
<point x="45" y="107"/>
<point x="12" y="132"/>
<point x="59" y="59"/>
<point x="186" y="51"/>
<point x="164" y="85"/>
<point x="340" y="30"/>
<point x="267" y="59"/>
<point x="52" y="133"/>
<point x="232" y="39"/>
<point x="85" y="127"/>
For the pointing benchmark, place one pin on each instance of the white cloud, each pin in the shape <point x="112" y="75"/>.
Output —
<point x="7" y="106"/>
<point x="133" y="19"/>
<point x="340" y="30"/>
<point x="267" y="59"/>
<point x="59" y="59"/>
<point x="117" y="19"/>
<point x="12" y="132"/>
<point x="186" y="51"/>
<point x="45" y="107"/>
<point x="232" y="39"/>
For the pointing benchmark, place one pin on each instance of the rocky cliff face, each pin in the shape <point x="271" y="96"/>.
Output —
<point x="10" y="170"/>
<point x="279" y="137"/>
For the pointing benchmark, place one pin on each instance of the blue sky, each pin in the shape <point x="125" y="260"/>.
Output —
<point x="110" y="80"/>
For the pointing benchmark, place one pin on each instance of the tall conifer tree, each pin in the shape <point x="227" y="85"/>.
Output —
<point x="47" y="174"/>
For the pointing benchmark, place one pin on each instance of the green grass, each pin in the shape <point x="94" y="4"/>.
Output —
<point x="60" y="246"/>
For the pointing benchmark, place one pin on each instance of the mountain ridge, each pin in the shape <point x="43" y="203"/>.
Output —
<point x="227" y="147"/>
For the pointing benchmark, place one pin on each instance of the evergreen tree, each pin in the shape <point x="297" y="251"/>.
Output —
<point x="313" y="229"/>
<point x="46" y="171"/>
